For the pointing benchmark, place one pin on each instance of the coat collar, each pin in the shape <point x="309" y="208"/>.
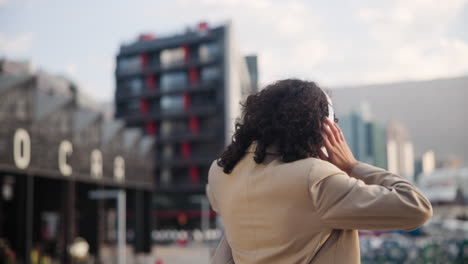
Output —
<point x="271" y="149"/>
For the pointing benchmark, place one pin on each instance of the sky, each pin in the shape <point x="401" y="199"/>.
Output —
<point x="333" y="42"/>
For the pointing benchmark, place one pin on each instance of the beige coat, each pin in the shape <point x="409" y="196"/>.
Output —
<point x="307" y="211"/>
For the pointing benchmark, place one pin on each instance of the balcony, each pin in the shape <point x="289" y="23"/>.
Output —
<point x="157" y="69"/>
<point x="191" y="89"/>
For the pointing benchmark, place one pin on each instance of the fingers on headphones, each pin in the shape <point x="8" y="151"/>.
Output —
<point x="340" y="133"/>
<point x="329" y="134"/>
<point x="332" y="132"/>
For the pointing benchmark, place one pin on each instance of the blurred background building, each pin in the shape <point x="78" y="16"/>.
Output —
<point x="56" y="147"/>
<point x="428" y="110"/>
<point x="400" y="154"/>
<point x="366" y="137"/>
<point x="184" y="91"/>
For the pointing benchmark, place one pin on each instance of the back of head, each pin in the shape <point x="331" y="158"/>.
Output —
<point x="288" y="113"/>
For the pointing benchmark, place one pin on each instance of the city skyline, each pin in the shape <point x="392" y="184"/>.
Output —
<point x="349" y="44"/>
<point x="431" y="110"/>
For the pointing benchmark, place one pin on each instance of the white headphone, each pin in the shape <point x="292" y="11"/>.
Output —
<point x="331" y="111"/>
<point x="331" y="117"/>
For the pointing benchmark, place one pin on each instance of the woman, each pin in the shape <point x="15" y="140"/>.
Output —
<point x="283" y="199"/>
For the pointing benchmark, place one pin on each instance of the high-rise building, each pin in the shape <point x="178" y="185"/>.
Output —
<point x="355" y="131"/>
<point x="400" y="153"/>
<point x="377" y="146"/>
<point x="252" y="67"/>
<point x="184" y="90"/>
<point x="366" y="137"/>
<point x="432" y="105"/>
<point x="428" y="162"/>
<point x="424" y="165"/>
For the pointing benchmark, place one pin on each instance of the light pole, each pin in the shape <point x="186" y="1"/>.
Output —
<point x="120" y="197"/>
<point x="205" y="211"/>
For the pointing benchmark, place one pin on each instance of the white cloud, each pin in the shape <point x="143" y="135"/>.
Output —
<point x="3" y="2"/>
<point x="296" y="39"/>
<point x="351" y="43"/>
<point x="284" y="34"/>
<point x="17" y="45"/>
<point x="410" y="40"/>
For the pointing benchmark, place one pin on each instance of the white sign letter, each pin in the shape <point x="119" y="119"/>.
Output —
<point x="65" y="150"/>
<point x="119" y="168"/>
<point x="96" y="164"/>
<point x="21" y="148"/>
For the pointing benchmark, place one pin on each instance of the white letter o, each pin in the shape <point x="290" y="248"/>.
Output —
<point x="21" y="148"/>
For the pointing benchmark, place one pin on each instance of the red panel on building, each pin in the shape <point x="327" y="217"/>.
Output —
<point x="194" y="174"/>
<point x="186" y="99"/>
<point x="194" y="76"/>
<point x="151" y="127"/>
<point x="144" y="106"/>
<point x="203" y="27"/>
<point x="146" y="37"/>
<point x="186" y="53"/>
<point x="194" y="125"/>
<point x="144" y="60"/>
<point x="151" y="82"/>
<point x="185" y="150"/>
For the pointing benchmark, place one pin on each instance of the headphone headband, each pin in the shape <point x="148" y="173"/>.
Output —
<point x="331" y="111"/>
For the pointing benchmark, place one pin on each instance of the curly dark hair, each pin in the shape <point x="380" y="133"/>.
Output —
<point x="288" y="113"/>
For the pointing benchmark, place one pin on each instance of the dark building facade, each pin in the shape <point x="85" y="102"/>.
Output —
<point x="54" y="150"/>
<point x="184" y="90"/>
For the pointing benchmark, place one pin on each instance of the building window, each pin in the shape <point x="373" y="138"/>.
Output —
<point x="134" y="86"/>
<point x="170" y="57"/>
<point x="172" y="103"/>
<point x="133" y="105"/>
<point x="210" y="123"/>
<point x="210" y="74"/>
<point x="167" y="151"/>
<point x="173" y="127"/>
<point x="203" y="99"/>
<point x="165" y="177"/>
<point x="166" y="128"/>
<point x="129" y="64"/>
<point x="173" y="80"/>
<point x="208" y="51"/>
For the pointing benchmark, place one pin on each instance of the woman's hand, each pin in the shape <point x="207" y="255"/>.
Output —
<point x="338" y="150"/>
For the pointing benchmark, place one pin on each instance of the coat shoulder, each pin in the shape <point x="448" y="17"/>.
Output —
<point x="319" y="169"/>
<point x="214" y="169"/>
